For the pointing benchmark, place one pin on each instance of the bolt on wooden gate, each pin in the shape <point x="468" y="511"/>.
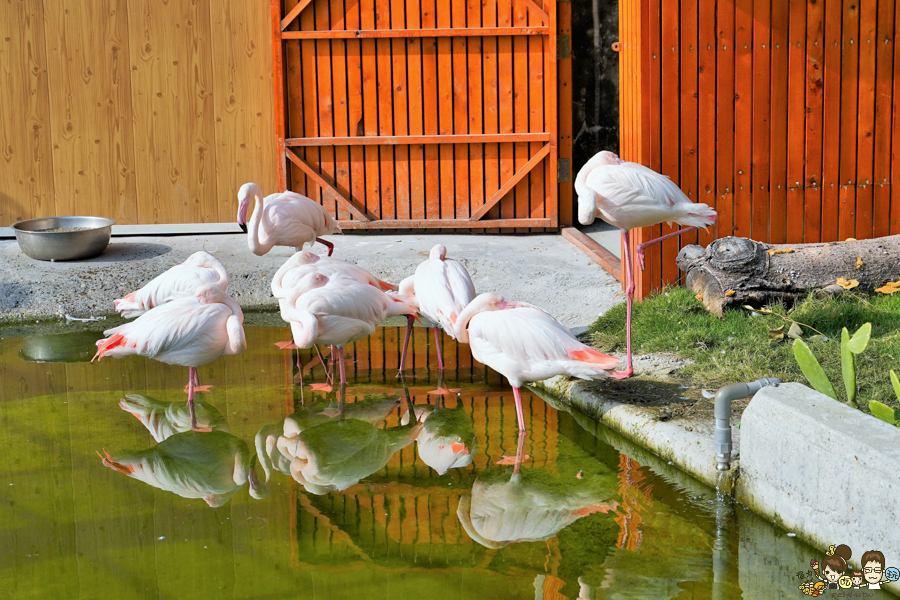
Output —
<point x="419" y="113"/>
<point x="780" y="114"/>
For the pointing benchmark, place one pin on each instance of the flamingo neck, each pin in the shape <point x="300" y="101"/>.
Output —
<point x="257" y="246"/>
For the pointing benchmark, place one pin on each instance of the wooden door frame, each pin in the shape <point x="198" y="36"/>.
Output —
<point x="363" y="219"/>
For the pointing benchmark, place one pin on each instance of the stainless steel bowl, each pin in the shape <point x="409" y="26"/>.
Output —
<point x="40" y="244"/>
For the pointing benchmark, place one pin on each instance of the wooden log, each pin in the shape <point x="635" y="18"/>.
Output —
<point x="737" y="271"/>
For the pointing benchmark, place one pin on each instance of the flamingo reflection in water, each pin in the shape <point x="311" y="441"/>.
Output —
<point x="209" y="465"/>
<point x="447" y="440"/>
<point x="164" y="419"/>
<point x="529" y="505"/>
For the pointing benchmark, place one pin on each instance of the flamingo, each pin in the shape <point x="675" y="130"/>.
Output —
<point x="212" y="466"/>
<point x="447" y="440"/>
<point x="199" y="269"/>
<point x="285" y="219"/>
<point x="524" y="343"/>
<point x="628" y="195"/>
<point x="336" y="311"/>
<point x="165" y="419"/>
<point x="191" y="331"/>
<point x="441" y="288"/>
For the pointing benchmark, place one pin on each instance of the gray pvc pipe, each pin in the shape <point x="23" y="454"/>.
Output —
<point x="724" y="396"/>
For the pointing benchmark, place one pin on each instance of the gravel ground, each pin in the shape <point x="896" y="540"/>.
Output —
<point x="542" y="269"/>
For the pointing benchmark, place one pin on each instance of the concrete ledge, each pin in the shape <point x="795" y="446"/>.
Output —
<point x="823" y="469"/>
<point x="691" y="451"/>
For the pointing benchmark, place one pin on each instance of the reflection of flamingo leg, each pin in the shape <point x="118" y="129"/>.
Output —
<point x="327" y="368"/>
<point x="519" y="415"/>
<point x="409" y="326"/>
<point x="520" y="451"/>
<point x="328" y="244"/>
<point x="341" y="360"/>
<point x="437" y="344"/>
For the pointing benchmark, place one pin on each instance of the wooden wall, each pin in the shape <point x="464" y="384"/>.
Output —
<point x="780" y="114"/>
<point x="146" y="111"/>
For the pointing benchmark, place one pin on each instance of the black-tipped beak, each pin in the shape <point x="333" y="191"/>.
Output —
<point x="243" y="227"/>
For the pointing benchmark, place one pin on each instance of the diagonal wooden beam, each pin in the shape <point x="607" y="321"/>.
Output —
<point x="304" y="166"/>
<point x="537" y="10"/>
<point x="526" y="168"/>
<point x="296" y="11"/>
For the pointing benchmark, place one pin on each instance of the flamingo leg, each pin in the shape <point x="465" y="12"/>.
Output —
<point x="629" y="296"/>
<point x="328" y="244"/>
<point x="520" y="451"/>
<point x="437" y="343"/>
<point x="343" y="372"/>
<point x="409" y="326"/>
<point x="640" y="247"/>
<point x="519" y="415"/>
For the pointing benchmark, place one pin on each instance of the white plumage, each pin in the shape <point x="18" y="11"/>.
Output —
<point x="201" y="268"/>
<point x="302" y="263"/>
<point x="283" y="219"/>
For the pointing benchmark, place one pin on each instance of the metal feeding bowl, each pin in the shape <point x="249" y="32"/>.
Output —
<point x="63" y="238"/>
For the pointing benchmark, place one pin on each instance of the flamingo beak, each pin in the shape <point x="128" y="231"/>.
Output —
<point x="620" y="161"/>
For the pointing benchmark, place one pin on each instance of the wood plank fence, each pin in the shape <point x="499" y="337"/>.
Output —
<point x="781" y="115"/>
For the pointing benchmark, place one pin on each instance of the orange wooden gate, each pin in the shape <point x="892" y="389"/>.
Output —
<point x="419" y="113"/>
<point x="781" y="115"/>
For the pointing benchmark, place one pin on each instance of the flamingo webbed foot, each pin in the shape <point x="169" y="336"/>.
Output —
<point x="442" y="391"/>
<point x="321" y="387"/>
<point x="201" y="428"/>
<point x="287" y="345"/>
<point x="627" y="373"/>
<point x="511" y="460"/>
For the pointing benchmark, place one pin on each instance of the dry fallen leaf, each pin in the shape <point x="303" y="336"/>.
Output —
<point x="889" y="288"/>
<point x="776" y="334"/>
<point x="795" y="332"/>
<point x="729" y="293"/>
<point x="699" y="297"/>
<point x="771" y="252"/>
<point x="847" y="284"/>
<point x="850" y="240"/>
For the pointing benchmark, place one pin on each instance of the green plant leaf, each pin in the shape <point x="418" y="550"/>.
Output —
<point x="812" y="370"/>
<point x="896" y="384"/>
<point x="860" y="339"/>
<point x="884" y="412"/>
<point x="795" y="331"/>
<point x="848" y="366"/>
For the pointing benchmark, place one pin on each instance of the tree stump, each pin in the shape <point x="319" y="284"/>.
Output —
<point x="737" y="271"/>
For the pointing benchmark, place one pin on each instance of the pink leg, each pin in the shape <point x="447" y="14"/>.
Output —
<point x="437" y="343"/>
<point x="519" y="415"/>
<point x="409" y="326"/>
<point x="629" y="297"/>
<point x="640" y="248"/>
<point x="520" y="452"/>
<point x="192" y="375"/>
<point x="328" y="244"/>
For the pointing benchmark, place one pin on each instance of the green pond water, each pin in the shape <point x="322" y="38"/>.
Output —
<point x="363" y="504"/>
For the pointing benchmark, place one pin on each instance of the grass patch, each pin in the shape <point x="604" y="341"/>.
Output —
<point x="737" y="347"/>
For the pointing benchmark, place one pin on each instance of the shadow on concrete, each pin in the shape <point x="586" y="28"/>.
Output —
<point x="118" y="252"/>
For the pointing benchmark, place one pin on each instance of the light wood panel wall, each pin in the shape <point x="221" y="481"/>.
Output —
<point x="145" y="111"/>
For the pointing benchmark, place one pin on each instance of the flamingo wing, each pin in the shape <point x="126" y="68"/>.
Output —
<point x="443" y="288"/>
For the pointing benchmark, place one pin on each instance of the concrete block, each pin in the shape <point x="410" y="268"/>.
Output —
<point x="823" y="469"/>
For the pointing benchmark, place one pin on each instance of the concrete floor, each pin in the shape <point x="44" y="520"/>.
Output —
<point x="543" y="269"/>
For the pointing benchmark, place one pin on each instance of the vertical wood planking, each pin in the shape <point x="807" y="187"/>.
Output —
<point x="460" y="109"/>
<point x="385" y="110"/>
<point x="491" y="106"/>
<point x="475" y="52"/>
<point x="430" y="101"/>
<point x="649" y="40"/>
<point x="743" y="116"/>
<point x="521" y="78"/>
<point x="831" y="135"/>
<point x="867" y="43"/>
<point x="884" y="40"/>
<point x="243" y="96"/>
<point x="370" y="109"/>
<point x="564" y="118"/>
<point x="539" y="197"/>
<point x="340" y="105"/>
<point x="895" y="138"/>
<point x="445" y="111"/>
<point x="812" y="176"/>
<point x="507" y="125"/>
<point x="294" y="99"/>
<point x="416" y="110"/>
<point x="309" y="70"/>
<point x="26" y="167"/>
<point x="849" y="105"/>
<point x="796" y="119"/>
<point x="670" y="124"/>
<point x="778" y="119"/>
<point x="90" y="108"/>
<point x="401" y="95"/>
<point x="550" y="115"/>
<point x="725" y="57"/>
<point x="759" y="179"/>
<point x="355" y="124"/>
<point x="706" y="125"/>
<point x="325" y="94"/>
<point x="689" y="105"/>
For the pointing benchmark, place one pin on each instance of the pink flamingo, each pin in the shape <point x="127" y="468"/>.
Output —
<point x="285" y="219"/>
<point x="336" y="311"/>
<point x="628" y="195"/>
<point x="441" y="288"/>
<point x="524" y="343"/>
<point x="201" y="268"/>
<point x="190" y="331"/>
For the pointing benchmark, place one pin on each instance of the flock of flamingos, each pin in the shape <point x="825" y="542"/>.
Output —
<point x="186" y="317"/>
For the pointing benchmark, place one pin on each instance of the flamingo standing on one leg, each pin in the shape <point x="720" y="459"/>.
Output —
<point x="441" y="288"/>
<point x="191" y="331"/>
<point x="200" y="268"/>
<point x="524" y="343"/>
<point x="628" y="195"/>
<point x="336" y="311"/>
<point x="285" y="219"/>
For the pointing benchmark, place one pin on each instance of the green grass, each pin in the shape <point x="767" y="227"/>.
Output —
<point x="737" y="347"/>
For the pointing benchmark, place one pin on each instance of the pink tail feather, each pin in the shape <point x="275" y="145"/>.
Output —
<point x="591" y="356"/>
<point x="104" y="346"/>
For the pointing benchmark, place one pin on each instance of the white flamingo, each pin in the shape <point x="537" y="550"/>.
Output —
<point x="165" y="419"/>
<point x="628" y="195"/>
<point x="190" y="331"/>
<point x="524" y="343"/>
<point x="283" y="219"/>
<point x="200" y="268"/>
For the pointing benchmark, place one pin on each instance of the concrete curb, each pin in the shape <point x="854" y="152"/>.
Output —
<point x="822" y="469"/>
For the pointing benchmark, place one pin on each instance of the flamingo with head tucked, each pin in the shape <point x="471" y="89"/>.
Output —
<point x="283" y="219"/>
<point x="524" y="343"/>
<point x="628" y="195"/>
<point x="190" y="331"/>
<point x="200" y="268"/>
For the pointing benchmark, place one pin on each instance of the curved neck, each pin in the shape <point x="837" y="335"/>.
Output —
<point x="462" y="322"/>
<point x="256" y="246"/>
